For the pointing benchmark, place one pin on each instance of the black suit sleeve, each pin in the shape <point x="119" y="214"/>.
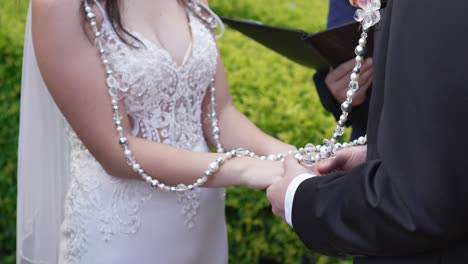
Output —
<point x="411" y="195"/>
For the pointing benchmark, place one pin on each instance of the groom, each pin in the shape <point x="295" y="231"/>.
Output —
<point x="407" y="201"/>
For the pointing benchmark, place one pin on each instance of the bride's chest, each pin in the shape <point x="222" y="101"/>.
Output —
<point x="148" y="73"/>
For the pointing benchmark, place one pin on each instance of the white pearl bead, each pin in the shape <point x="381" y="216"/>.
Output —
<point x="359" y="59"/>
<point x="128" y="152"/>
<point x="214" y="166"/>
<point x="354" y="76"/>
<point x="350" y="94"/>
<point x="136" y="167"/>
<point x="199" y="181"/>
<point x="119" y="129"/>
<point x="362" y="41"/>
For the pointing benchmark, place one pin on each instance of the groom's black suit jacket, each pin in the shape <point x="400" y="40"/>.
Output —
<point x="409" y="202"/>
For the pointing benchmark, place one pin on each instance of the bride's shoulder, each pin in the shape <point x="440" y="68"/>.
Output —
<point x="54" y="12"/>
<point x="56" y="24"/>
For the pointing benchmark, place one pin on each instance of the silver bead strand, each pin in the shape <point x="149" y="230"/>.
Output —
<point x="115" y="93"/>
<point x="197" y="9"/>
<point x="311" y="154"/>
<point x="214" y="119"/>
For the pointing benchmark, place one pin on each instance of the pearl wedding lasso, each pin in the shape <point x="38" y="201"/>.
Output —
<point x="368" y="15"/>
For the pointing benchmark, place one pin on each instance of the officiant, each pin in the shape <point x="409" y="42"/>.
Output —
<point x="332" y="84"/>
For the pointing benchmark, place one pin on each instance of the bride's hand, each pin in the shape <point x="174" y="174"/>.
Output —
<point x="260" y="174"/>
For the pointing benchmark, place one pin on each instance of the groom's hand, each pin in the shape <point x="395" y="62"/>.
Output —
<point x="277" y="191"/>
<point x="345" y="159"/>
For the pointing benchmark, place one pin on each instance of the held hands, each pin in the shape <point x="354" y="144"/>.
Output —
<point x="338" y="78"/>
<point x="277" y="191"/>
<point x="345" y="159"/>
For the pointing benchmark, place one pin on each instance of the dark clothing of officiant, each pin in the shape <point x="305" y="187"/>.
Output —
<point x="408" y="203"/>
<point x="341" y="12"/>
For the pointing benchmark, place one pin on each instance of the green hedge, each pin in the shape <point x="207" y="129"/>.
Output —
<point x="276" y="94"/>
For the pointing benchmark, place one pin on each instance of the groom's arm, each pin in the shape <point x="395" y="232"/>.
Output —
<point x="413" y="197"/>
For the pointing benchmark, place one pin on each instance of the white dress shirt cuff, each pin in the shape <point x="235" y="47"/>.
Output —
<point x="289" y="198"/>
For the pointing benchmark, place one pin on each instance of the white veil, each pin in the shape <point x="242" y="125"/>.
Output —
<point x="43" y="158"/>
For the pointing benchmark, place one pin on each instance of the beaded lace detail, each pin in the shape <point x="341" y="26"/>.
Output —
<point x="164" y="102"/>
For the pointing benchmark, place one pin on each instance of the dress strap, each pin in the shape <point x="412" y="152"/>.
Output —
<point x="103" y="11"/>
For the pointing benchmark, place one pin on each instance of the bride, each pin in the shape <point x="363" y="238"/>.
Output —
<point x="142" y="90"/>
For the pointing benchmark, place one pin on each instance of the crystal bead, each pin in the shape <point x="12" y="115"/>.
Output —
<point x="339" y="130"/>
<point x="154" y="183"/>
<point x="362" y="140"/>
<point x="90" y="16"/>
<point x="136" y="167"/>
<point x="112" y="82"/>
<point x="181" y="188"/>
<point x="353" y="85"/>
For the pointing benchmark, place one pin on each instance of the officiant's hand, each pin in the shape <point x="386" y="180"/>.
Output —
<point x="277" y="191"/>
<point x="345" y="159"/>
<point x="337" y="81"/>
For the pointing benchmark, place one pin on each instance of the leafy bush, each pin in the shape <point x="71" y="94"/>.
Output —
<point x="276" y="94"/>
<point x="10" y="75"/>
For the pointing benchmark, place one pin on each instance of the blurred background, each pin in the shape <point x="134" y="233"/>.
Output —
<point x="275" y="93"/>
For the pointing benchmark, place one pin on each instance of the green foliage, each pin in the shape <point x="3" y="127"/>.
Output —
<point x="276" y="94"/>
<point x="280" y="98"/>
<point x="10" y="75"/>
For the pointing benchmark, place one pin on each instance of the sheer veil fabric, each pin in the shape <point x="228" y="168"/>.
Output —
<point x="43" y="158"/>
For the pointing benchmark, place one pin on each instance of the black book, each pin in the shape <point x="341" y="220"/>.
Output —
<point x="319" y="50"/>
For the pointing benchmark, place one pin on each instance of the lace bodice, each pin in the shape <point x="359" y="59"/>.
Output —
<point x="164" y="103"/>
<point x="163" y="98"/>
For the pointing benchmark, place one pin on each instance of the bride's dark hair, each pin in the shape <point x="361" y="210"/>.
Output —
<point x="112" y="8"/>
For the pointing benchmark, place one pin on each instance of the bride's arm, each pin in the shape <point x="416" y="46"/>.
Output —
<point x="75" y="77"/>
<point x="236" y="129"/>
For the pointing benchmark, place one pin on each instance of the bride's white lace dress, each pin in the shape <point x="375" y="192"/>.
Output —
<point x="113" y="220"/>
